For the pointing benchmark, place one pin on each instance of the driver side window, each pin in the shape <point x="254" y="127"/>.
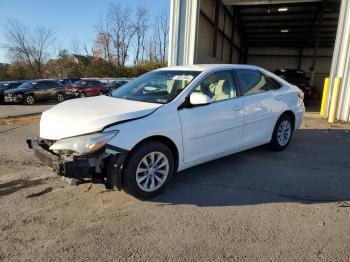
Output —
<point x="218" y="86"/>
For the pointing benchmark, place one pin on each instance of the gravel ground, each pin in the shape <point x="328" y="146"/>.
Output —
<point x="253" y="206"/>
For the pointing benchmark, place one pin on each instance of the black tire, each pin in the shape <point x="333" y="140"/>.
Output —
<point x="82" y="95"/>
<point x="136" y="156"/>
<point x="60" y="97"/>
<point x="100" y="93"/>
<point x="29" y="100"/>
<point x="275" y="144"/>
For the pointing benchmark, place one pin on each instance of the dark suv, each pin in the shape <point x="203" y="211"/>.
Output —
<point x="298" y="78"/>
<point x="114" y="84"/>
<point x="83" y="88"/>
<point x="8" y="85"/>
<point x="30" y="92"/>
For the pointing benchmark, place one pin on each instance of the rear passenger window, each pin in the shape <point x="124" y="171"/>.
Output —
<point x="42" y="85"/>
<point x="254" y="82"/>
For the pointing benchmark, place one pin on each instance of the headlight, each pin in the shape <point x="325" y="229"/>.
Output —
<point x="83" y="144"/>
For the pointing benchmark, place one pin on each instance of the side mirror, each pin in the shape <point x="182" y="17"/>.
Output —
<point x="199" y="99"/>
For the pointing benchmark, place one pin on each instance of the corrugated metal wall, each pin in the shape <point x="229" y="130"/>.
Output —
<point x="341" y="62"/>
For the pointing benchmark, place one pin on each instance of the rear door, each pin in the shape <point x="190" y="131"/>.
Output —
<point x="215" y="129"/>
<point x="42" y="90"/>
<point x="52" y="90"/>
<point x="263" y="104"/>
<point x="56" y="88"/>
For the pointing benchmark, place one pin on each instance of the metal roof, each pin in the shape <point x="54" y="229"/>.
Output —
<point x="288" y="24"/>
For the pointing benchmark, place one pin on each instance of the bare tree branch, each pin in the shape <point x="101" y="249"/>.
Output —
<point x="32" y="46"/>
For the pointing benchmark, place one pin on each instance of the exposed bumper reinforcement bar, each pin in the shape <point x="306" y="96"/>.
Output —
<point x="79" y="167"/>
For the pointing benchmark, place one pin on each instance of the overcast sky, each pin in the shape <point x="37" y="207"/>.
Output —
<point x="72" y="20"/>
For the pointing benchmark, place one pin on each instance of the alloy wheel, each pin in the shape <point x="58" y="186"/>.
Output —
<point x="152" y="171"/>
<point x="60" y="97"/>
<point x="30" y="100"/>
<point x="283" y="133"/>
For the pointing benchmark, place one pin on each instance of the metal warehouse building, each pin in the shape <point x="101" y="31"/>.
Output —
<point x="311" y="35"/>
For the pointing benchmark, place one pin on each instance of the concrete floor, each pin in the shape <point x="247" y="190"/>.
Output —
<point x="257" y="205"/>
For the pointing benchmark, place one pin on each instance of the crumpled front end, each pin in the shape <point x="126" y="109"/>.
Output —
<point x="105" y="163"/>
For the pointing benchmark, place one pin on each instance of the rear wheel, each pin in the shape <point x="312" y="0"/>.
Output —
<point x="282" y="133"/>
<point x="60" y="97"/>
<point x="29" y="100"/>
<point x="148" y="170"/>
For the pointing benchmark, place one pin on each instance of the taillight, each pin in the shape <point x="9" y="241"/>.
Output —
<point x="301" y="95"/>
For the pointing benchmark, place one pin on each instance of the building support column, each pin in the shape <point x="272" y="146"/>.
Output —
<point x="184" y="15"/>
<point x="341" y="64"/>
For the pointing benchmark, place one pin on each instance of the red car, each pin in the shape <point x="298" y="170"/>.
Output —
<point x="83" y="88"/>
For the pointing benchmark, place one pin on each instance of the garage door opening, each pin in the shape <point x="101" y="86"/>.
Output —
<point x="279" y="35"/>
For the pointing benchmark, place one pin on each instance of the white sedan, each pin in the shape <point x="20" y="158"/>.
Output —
<point x="166" y="121"/>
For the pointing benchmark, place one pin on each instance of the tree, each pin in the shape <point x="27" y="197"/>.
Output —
<point x="162" y="33"/>
<point x="16" y="71"/>
<point x="122" y="31"/>
<point x="28" y="45"/>
<point x="104" y="41"/>
<point x="141" y="26"/>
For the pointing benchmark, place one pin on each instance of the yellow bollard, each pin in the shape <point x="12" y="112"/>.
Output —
<point x="334" y="100"/>
<point x="324" y="97"/>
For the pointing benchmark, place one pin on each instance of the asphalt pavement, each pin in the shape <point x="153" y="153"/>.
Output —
<point x="256" y="205"/>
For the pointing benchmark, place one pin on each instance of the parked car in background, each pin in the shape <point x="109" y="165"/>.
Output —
<point x="83" y="88"/>
<point x="168" y="120"/>
<point x="114" y="84"/>
<point x="32" y="91"/>
<point x="297" y="77"/>
<point x="8" y="85"/>
<point x="68" y="81"/>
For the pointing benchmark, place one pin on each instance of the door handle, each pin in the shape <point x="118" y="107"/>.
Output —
<point x="237" y="108"/>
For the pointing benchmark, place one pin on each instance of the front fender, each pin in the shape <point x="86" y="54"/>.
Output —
<point x="164" y="123"/>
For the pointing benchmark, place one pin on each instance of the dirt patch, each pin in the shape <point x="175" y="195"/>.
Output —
<point x="30" y="120"/>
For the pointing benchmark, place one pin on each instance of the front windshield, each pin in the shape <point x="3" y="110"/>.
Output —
<point x="78" y="83"/>
<point x="25" y="85"/>
<point x="157" y="86"/>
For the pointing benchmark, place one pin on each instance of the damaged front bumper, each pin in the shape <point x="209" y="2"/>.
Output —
<point x="80" y="167"/>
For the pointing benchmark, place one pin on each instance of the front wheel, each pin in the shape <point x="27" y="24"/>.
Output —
<point x="82" y="95"/>
<point x="282" y="133"/>
<point x="148" y="170"/>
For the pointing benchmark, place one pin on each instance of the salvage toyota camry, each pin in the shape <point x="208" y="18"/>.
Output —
<point x="166" y="121"/>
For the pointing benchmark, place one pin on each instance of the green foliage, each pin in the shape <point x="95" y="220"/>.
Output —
<point x="17" y="71"/>
<point x="4" y="73"/>
<point x="68" y="66"/>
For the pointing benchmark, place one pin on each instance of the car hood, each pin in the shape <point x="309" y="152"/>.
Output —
<point x="15" y="90"/>
<point x="87" y="115"/>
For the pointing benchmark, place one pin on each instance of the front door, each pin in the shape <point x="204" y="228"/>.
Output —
<point x="216" y="128"/>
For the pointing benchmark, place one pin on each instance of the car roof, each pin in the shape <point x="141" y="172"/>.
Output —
<point x="205" y="67"/>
